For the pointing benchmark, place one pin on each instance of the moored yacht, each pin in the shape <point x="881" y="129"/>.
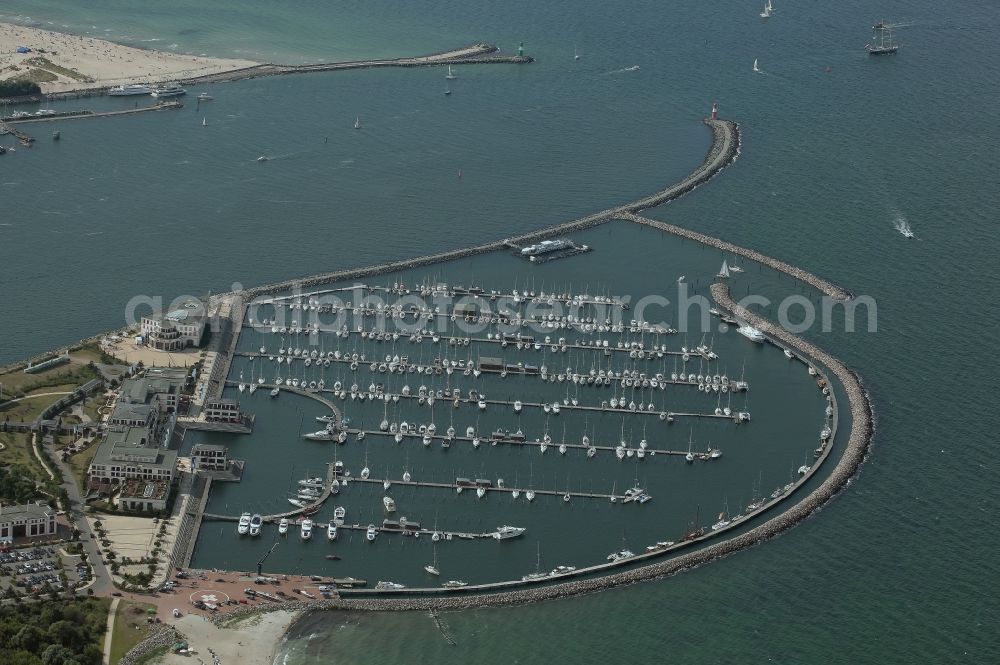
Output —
<point x="255" y="523"/>
<point x="751" y="333"/>
<point x="371" y="533"/>
<point x="172" y="89"/>
<point x="305" y="531"/>
<point x="283" y="526"/>
<point x="504" y="532"/>
<point x="129" y="90"/>
<point x="331" y="531"/>
<point x="244" y="525"/>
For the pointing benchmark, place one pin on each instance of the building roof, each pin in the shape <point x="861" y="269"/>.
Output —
<point x="200" y="447"/>
<point x="156" y="381"/>
<point x="131" y="411"/>
<point x="22" y="511"/>
<point x="149" y="490"/>
<point x="130" y="445"/>
<point x="190" y="312"/>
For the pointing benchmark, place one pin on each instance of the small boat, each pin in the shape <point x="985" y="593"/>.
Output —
<point x="333" y="557"/>
<point x="172" y="89"/>
<point x="357" y="122"/>
<point x="255" y="523"/>
<point x="371" y="533"/>
<point x="331" y="531"/>
<point x="504" y="532"/>
<point x="339" y="514"/>
<point x="450" y="75"/>
<point x="454" y="584"/>
<point x="751" y="333"/>
<point x="432" y="570"/>
<point x="447" y="90"/>
<point x="766" y="13"/>
<point x="755" y="68"/>
<point x="244" y="524"/>
<point x="305" y="531"/>
<point x="389" y="586"/>
<point x="263" y="158"/>
<point x="283" y="526"/>
<point x="389" y="503"/>
<point x="204" y="121"/>
<point x="205" y="97"/>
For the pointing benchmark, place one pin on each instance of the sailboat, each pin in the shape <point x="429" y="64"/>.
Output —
<point x="357" y="122"/>
<point x="432" y="568"/>
<point x="450" y="75"/>
<point x="576" y="54"/>
<point x="884" y="45"/>
<point x="724" y="271"/>
<point x="767" y="11"/>
<point x="447" y="90"/>
<point x="204" y="121"/>
<point x="755" y="68"/>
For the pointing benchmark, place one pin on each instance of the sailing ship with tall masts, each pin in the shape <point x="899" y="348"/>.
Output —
<point x="884" y="45"/>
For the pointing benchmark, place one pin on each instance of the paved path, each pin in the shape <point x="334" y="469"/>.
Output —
<point x="38" y="455"/>
<point x="12" y="401"/>
<point x="109" y="634"/>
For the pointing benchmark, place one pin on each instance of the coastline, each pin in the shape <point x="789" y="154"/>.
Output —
<point x="82" y="63"/>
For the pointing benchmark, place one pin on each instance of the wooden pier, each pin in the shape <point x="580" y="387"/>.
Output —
<point x="471" y="488"/>
<point x="489" y="441"/>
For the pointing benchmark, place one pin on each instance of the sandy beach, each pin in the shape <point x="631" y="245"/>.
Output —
<point x="75" y="62"/>
<point x="251" y="641"/>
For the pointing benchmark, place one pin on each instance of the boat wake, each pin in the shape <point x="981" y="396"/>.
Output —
<point x="903" y="227"/>
<point x="633" y="68"/>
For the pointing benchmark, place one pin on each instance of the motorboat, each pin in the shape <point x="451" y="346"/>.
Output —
<point x="339" y="514"/>
<point x="389" y="586"/>
<point x="244" y="524"/>
<point x="255" y="523"/>
<point x="305" y="530"/>
<point x="283" y="526"/>
<point x="129" y="90"/>
<point x="751" y="333"/>
<point x="172" y="89"/>
<point x="371" y="533"/>
<point x="504" y="532"/>
<point x="389" y="503"/>
<point x="331" y="531"/>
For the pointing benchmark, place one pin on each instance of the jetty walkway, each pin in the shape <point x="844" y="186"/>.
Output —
<point x="474" y="54"/>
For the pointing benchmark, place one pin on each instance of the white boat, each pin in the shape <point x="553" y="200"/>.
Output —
<point x="283" y="526"/>
<point x="339" y="514"/>
<point x="129" y="90"/>
<point x="450" y="75"/>
<point x="389" y="586"/>
<point x="316" y="483"/>
<point x="755" y="65"/>
<point x="766" y="13"/>
<point x="331" y="531"/>
<point x="371" y="533"/>
<point x="264" y="158"/>
<point x="432" y="570"/>
<point x="205" y="97"/>
<point x="751" y="333"/>
<point x="172" y="89"/>
<point x="455" y="584"/>
<point x="357" y="122"/>
<point x="255" y="523"/>
<point x="244" y="524"/>
<point x="389" y="503"/>
<point x="504" y="532"/>
<point x="306" y="530"/>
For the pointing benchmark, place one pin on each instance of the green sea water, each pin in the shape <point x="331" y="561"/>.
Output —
<point x="837" y="148"/>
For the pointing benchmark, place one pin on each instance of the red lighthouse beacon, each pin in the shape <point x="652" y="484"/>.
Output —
<point x="715" y="111"/>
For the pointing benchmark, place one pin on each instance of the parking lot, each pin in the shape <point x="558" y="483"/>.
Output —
<point x="29" y="569"/>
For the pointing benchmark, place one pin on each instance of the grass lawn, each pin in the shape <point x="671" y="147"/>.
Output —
<point x="17" y="452"/>
<point x="80" y="463"/>
<point x="47" y="64"/>
<point x="17" y="383"/>
<point x="130" y="627"/>
<point x="32" y="407"/>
